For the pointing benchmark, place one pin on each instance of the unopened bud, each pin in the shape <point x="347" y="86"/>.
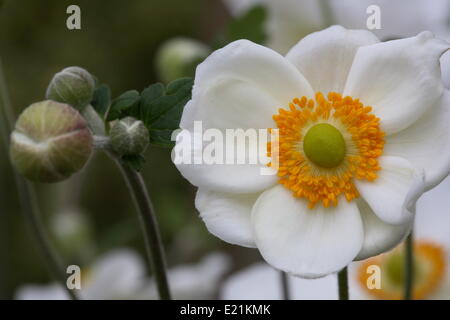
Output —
<point x="129" y="136"/>
<point x="50" y="142"/>
<point x="73" y="85"/>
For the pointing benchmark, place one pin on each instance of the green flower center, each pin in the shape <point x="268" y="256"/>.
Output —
<point x="395" y="269"/>
<point x="324" y="145"/>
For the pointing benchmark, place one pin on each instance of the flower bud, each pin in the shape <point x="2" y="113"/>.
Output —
<point x="73" y="85"/>
<point x="50" y="142"/>
<point x="129" y="136"/>
<point x="179" y="57"/>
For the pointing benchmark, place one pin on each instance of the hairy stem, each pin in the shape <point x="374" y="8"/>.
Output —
<point x="149" y="224"/>
<point x="27" y="197"/>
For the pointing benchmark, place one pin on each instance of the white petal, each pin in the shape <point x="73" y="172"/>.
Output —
<point x="116" y="275"/>
<point x="325" y="57"/>
<point x="291" y="20"/>
<point x="52" y="291"/>
<point x="262" y="282"/>
<point x="249" y="177"/>
<point x="308" y="243"/>
<point x="433" y="215"/>
<point x="400" y="79"/>
<point x="399" y="18"/>
<point x="392" y="196"/>
<point x="379" y="236"/>
<point x="227" y="216"/>
<point x="241" y="86"/>
<point x="426" y="143"/>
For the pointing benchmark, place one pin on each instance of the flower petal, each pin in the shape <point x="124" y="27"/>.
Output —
<point x="426" y="143"/>
<point x="400" y="79"/>
<point x="241" y="86"/>
<point x="379" y="236"/>
<point x="393" y="194"/>
<point x="223" y="176"/>
<point x="308" y="243"/>
<point x="227" y="216"/>
<point x="325" y="57"/>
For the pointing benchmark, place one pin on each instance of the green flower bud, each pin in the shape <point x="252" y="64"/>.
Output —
<point x="179" y="57"/>
<point x="73" y="85"/>
<point x="129" y="137"/>
<point x="50" y="142"/>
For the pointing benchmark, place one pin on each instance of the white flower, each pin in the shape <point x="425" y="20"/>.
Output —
<point x="116" y="275"/>
<point x="262" y="282"/>
<point x="121" y="274"/>
<point x="194" y="281"/>
<point x="380" y="159"/>
<point x="290" y="20"/>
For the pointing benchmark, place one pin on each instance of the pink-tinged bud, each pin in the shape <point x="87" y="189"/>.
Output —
<point x="50" y="142"/>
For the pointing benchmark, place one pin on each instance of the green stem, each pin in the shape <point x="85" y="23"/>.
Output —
<point x="284" y="286"/>
<point x="343" y="284"/>
<point x="409" y="267"/>
<point x="327" y="12"/>
<point x="27" y="197"/>
<point x="149" y="224"/>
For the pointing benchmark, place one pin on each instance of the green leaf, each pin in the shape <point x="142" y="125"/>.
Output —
<point x="161" y="111"/>
<point x="121" y="106"/>
<point x="135" y="162"/>
<point x="101" y="99"/>
<point x="250" y="26"/>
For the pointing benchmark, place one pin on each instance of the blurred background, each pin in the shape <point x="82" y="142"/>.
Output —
<point x="91" y="214"/>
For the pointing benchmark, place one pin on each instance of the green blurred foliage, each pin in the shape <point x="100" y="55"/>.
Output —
<point x="117" y="43"/>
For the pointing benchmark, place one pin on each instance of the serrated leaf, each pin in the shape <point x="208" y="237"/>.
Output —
<point x="250" y="26"/>
<point x="162" y="114"/>
<point x="101" y="99"/>
<point x="136" y="162"/>
<point x="123" y="104"/>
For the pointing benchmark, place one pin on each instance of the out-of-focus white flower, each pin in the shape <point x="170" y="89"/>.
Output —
<point x="262" y="282"/>
<point x="118" y="274"/>
<point x="194" y="281"/>
<point x="290" y="20"/>
<point x="348" y="174"/>
<point x="73" y="231"/>
<point x="177" y="58"/>
<point x="121" y="274"/>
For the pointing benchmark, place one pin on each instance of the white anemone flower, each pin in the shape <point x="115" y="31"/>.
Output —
<point x="118" y="274"/>
<point x="197" y="281"/>
<point x="290" y="20"/>
<point x="363" y="131"/>
<point x="262" y="282"/>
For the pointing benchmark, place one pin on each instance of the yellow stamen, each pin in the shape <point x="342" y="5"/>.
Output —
<point x="364" y="142"/>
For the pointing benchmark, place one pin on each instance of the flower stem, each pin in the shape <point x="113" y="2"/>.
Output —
<point x="409" y="267"/>
<point x="343" y="284"/>
<point x="284" y="286"/>
<point x="149" y="226"/>
<point x="27" y="197"/>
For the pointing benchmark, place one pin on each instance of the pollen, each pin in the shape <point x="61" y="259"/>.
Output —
<point x="429" y="272"/>
<point x="323" y="145"/>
